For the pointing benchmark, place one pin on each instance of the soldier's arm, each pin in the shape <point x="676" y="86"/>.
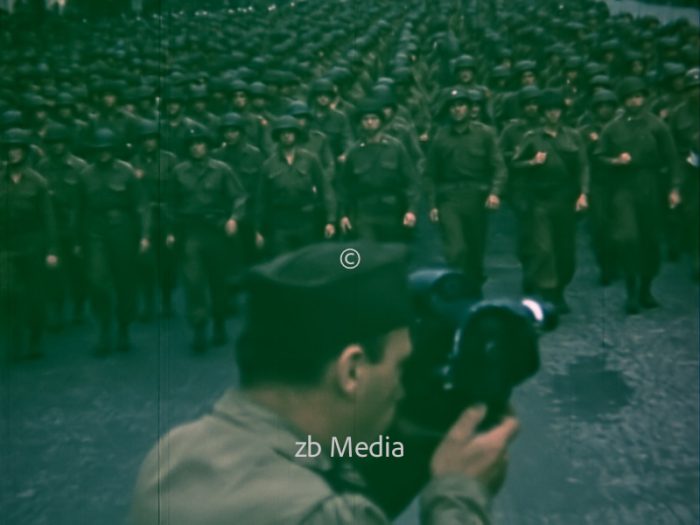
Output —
<point x="325" y="188"/>
<point x="498" y="165"/>
<point x="670" y="155"/>
<point x="432" y="169"/>
<point x="523" y="153"/>
<point x="140" y="205"/>
<point x="411" y="178"/>
<point x="327" y="160"/>
<point x="49" y="218"/>
<point x="584" y="167"/>
<point x="345" y="509"/>
<point x="604" y="149"/>
<point x="235" y="193"/>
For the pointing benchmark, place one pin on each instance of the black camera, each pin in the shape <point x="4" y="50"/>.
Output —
<point x="464" y="352"/>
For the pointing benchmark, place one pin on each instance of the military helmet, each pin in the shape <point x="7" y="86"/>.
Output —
<point x="147" y="129"/>
<point x="522" y="66"/>
<point x="35" y="102"/>
<point x="464" y="62"/>
<point x="403" y="75"/>
<point x="285" y="123"/>
<point x="197" y="133"/>
<point x="298" y="109"/>
<point x="65" y="100"/>
<point x="321" y="86"/>
<point x="198" y="93"/>
<point x="476" y="96"/>
<point x="672" y="70"/>
<point x="384" y="95"/>
<point x="174" y="94"/>
<point x="601" y="81"/>
<point x="500" y="72"/>
<point x="457" y="93"/>
<point x="604" y="96"/>
<point x="692" y="78"/>
<point x="11" y="118"/>
<point x="232" y="121"/>
<point x="239" y="85"/>
<point x="629" y="86"/>
<point x="258" y="89"/>
<point x="551" y="99"/>
<point x="529" y="94"/>
<point x="16" y="137"/>
<point x="369" y="106"/>
<point x="103" y="139"/>
<point x="56" y="133"/>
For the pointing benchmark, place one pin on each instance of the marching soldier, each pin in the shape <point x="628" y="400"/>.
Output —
<point x="557" y="187"/>
<point x="206" y="201"/>
<point x="113" y="217"/>
<point x="379" y="186"/>
<point x="465" y="176"/>
<point x="27" y="247"/>
<point x="636" y="146"/>
<point x="604" y="104"/>
<point x="246" y="160"/>
<point x="294" y="191"/>
<point x="62" y="170"/>
<point x="157" y="267"/>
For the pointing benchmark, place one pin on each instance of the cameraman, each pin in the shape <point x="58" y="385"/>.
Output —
<point x="320" y="359"/>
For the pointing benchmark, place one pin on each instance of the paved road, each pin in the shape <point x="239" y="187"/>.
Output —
<point x="610" y="424"/>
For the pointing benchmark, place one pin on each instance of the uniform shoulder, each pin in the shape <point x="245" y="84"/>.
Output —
<point x="123" y="165"/>
<point x="36" y="177"/>
<point x="244" y="477"/>
<point x="76" y="162"/>
<point x="218" y="165"/>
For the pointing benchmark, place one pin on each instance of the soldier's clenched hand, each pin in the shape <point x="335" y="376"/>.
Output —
<point x="51" y="260"/>
<point x="409" y="220"/>
<point x="434" y="215"/>
<point x="231" y="227"/>
<point x="539" y="159"/>
<point x="345" y="225"/>
<point x="582" y="202"/>
<point x="329" y="231"/>
<point x="493" y="202"/>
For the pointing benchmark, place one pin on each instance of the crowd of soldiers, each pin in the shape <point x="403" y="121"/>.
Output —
<point x="182" y="147"/>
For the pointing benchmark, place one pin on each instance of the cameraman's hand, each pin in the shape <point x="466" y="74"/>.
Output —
<point x="481" y="456"/>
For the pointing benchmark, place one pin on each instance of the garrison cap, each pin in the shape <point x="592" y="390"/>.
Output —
<point x="309" y="296"/>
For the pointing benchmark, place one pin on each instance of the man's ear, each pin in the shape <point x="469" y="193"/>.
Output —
<point x="349" y="369"/>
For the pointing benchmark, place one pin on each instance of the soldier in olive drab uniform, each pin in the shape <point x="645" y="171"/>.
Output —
<point x="635" y="146"/>
<point x="334" y="124"/>
<point x="313" y="140"/>
<point x="112" y="216"/>
<point x="557" y="178"/>
<point x="206" y="200"/>
<point x="516" y="189"/>
<point x="465" y="176"/>
<point x="685" y="125"/>
<point x="173" y="123"/>
<point x="157" y="267"/>
<point x="603" y="104"/>
<point x="62" y="170"/>
<point x="27" y="246"/>
<point x="246" y="161"/>
<point x="380" y="187"/>
<point x="294" y="191"/>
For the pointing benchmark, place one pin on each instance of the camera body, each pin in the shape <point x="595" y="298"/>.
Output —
<point x="464" y="352"/>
